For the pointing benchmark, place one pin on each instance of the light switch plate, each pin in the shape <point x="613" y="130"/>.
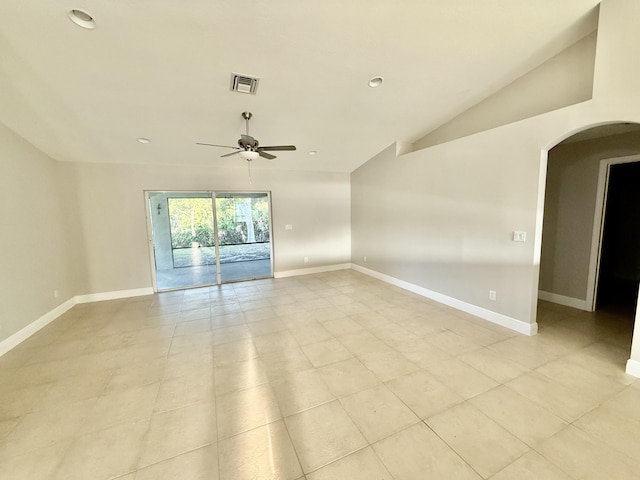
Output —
<point x="519" y="236"/>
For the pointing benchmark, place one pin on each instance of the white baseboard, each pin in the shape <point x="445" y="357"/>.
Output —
<point x="493" y="317"/>
<point x="633" y="367"/>
<point x="99" y="297"/>
<point x="35" y="326"/>
<point x="307" y="271"/>
<point x="566" y="301"/>
<point x="21" y="335"/>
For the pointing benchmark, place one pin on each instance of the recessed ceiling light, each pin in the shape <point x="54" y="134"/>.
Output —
<point x="376" y="82"/>
<point x="82" y="18"/>
<point x="312" y="152"/>
<point x="144" y="140"/>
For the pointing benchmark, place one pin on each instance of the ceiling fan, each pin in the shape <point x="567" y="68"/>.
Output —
<point x="248" y="147"/>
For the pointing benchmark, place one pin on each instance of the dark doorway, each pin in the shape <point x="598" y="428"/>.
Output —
<point x="619" y="274"/>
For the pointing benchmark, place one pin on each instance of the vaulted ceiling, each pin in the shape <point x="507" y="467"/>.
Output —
<point x="160" y="69"/>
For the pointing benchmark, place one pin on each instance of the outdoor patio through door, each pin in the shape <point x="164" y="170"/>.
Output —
<point x="208" y="238"/>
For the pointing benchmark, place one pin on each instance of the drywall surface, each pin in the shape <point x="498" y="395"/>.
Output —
<point x="618" y="50"/>
<point x="113" y="211"/>
<point x="561" y="81"/>
<point x="40" y="247"/>
<point x="569" y="208"/>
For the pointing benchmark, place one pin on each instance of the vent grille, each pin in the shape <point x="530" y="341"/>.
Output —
<point x="244" y="83"/>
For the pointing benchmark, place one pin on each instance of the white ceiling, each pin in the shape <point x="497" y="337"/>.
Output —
<point x="161" y="69"/>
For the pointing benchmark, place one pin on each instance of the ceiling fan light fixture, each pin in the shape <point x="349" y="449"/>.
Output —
<point x="375" y="82"/>
<point x="249" y="155"/>
<point x="81" y="18"/>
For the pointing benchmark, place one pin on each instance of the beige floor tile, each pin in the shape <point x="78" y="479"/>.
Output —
<point x="323" y="434"/>
<point x="361" y="465"/>
<point x="463" y="379"/>
<point x="233" y="352"/>
<point x="525" y="419"/>
<point x="240" y="375"/>
<point x="136" y="375"/>
<point x="44" y="427"/>
<point x="246" y="409"/>
<point x="263" y="453"/>
<point x="347" y="377"/>
<point x="362" y="342"/>
<point x="275" y="342"/>
<point x="620" y="432"/>
<point x="128" y="405"/>
<point x="200" y="464"/>
<point x="310" y="332"/>
<point x="264" y="327"/>
<point x="279" y="365"/>
<point x="417" y="453"/>
<point x="370" y="319"/>
<point x="187" y="363"/>
<point x="228" y="334"/>
<point x="388" y="364"/>
<point x="342" y="326"/>
<point x="15" y="402"/>
<point x="227" y="319"/>
<point x="39" y="464"/>
<point x="301" y="391"/>
<point x="560" y="400"/>
<point x="181" y="391"/>
<point x="378" y="413"/>
<point x="104" y="454"/>
<point x="193" y="327"/>
<point x="480" y="441"/>
<point x="192" y="342"/>
<point x="452" y="343"/>
<point x="6" y="426"/>
<point x="585" y="457"/>
<point x="326" y="352"/>
<point x="179" y="431"/>
<point x="424" y="394"/>
<point x="531" y="466"/>
<point x="529" y="352"/>
<point x="492" y="365"/>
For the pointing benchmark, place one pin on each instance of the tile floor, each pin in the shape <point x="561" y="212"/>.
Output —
<point x="322" y="377"/>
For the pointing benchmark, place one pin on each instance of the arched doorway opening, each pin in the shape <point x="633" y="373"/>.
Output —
<point x="590" y="254"/>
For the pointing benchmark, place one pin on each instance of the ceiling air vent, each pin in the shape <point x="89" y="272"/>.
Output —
<point x="244" y="83"/>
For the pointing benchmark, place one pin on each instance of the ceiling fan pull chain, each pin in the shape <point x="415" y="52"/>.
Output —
<point x="249" y="165"/>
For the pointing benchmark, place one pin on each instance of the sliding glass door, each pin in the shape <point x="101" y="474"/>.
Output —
<point x="244" y="232"/>
<point x="208" y="238"/>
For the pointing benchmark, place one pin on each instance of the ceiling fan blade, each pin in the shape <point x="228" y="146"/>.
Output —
<point x="266" y="155"/>
<point x="214" y="145"/>
<point x="277" y="148"/>
<point x="232" y="153"/>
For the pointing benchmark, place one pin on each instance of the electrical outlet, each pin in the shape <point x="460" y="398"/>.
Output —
<point x="492" y="295"/>
<point x="56" y="294"/>
<point x="306" y="259"/>
<point x="364" y="259"/>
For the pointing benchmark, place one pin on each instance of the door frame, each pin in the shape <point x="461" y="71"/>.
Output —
<point x="598" y="224"/>
<point x="213" y="196"/>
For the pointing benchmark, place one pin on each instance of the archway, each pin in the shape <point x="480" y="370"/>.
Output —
<point x="576" y="186"/>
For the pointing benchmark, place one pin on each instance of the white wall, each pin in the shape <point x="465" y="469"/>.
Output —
<point x="564" y="80"/>
<point x="112" y="207"/>
<point x="40" y="242"/>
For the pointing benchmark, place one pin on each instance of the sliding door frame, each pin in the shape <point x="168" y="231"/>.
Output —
<point x="213" y="194"/>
